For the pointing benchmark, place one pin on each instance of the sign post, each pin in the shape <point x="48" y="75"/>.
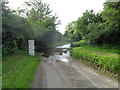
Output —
<point x="31" y="47"/>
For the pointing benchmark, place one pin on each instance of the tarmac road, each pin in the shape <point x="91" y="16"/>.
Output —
<point x="61" y="71"/>
<point x="57" y="74"/>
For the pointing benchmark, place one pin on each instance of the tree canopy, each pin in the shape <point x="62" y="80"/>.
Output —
<point x="98" y="29"/>
<point x="35" y="21"/>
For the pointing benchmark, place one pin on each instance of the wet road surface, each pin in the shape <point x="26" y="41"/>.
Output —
<point x="59" y="70"/>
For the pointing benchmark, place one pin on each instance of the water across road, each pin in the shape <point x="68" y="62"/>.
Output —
<point x="59" y="70"/>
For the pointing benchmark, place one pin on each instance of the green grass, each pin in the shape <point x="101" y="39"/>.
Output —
<point x="0" y="74"/>
<point x="19" y="70"/>
<point x="105" y="59"/>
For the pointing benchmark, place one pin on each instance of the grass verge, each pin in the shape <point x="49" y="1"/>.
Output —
<point x="105" y="60"/>
<point x="19" y="70"/>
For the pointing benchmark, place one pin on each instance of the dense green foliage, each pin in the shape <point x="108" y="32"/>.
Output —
<point x="72" y="32"/>
<point x="98" y="29"/>
<point x="19" y="70"/>
<point x="15" y="29"/>
<point x="32" y="22"/>
<point x="105" y="59"/>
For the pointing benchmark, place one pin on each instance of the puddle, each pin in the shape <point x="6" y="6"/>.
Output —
<point x="60" y="53"/>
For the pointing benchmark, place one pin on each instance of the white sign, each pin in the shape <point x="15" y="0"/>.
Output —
<point x="31" y="47"/>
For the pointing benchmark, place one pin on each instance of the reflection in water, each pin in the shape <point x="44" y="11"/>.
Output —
<point x="64" y="46"/>
<point x="60" y="53"/>
<point x="63" y="57"/>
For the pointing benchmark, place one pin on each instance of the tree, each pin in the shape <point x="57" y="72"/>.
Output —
<point x="100" y="29"/>
<point x="72" y="32"/>
<point x="16" y="31"/>
<point x="111" y="16"/>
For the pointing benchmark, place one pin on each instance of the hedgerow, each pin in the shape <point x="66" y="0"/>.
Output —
<point x="103" y="60"/>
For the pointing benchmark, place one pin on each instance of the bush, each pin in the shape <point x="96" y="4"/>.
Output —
<point x="8" y="51"/>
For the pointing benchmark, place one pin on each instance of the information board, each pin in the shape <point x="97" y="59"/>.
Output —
<point x="31" y="47"/>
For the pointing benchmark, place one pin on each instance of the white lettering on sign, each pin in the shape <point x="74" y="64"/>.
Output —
<point x="31" y="47"/>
